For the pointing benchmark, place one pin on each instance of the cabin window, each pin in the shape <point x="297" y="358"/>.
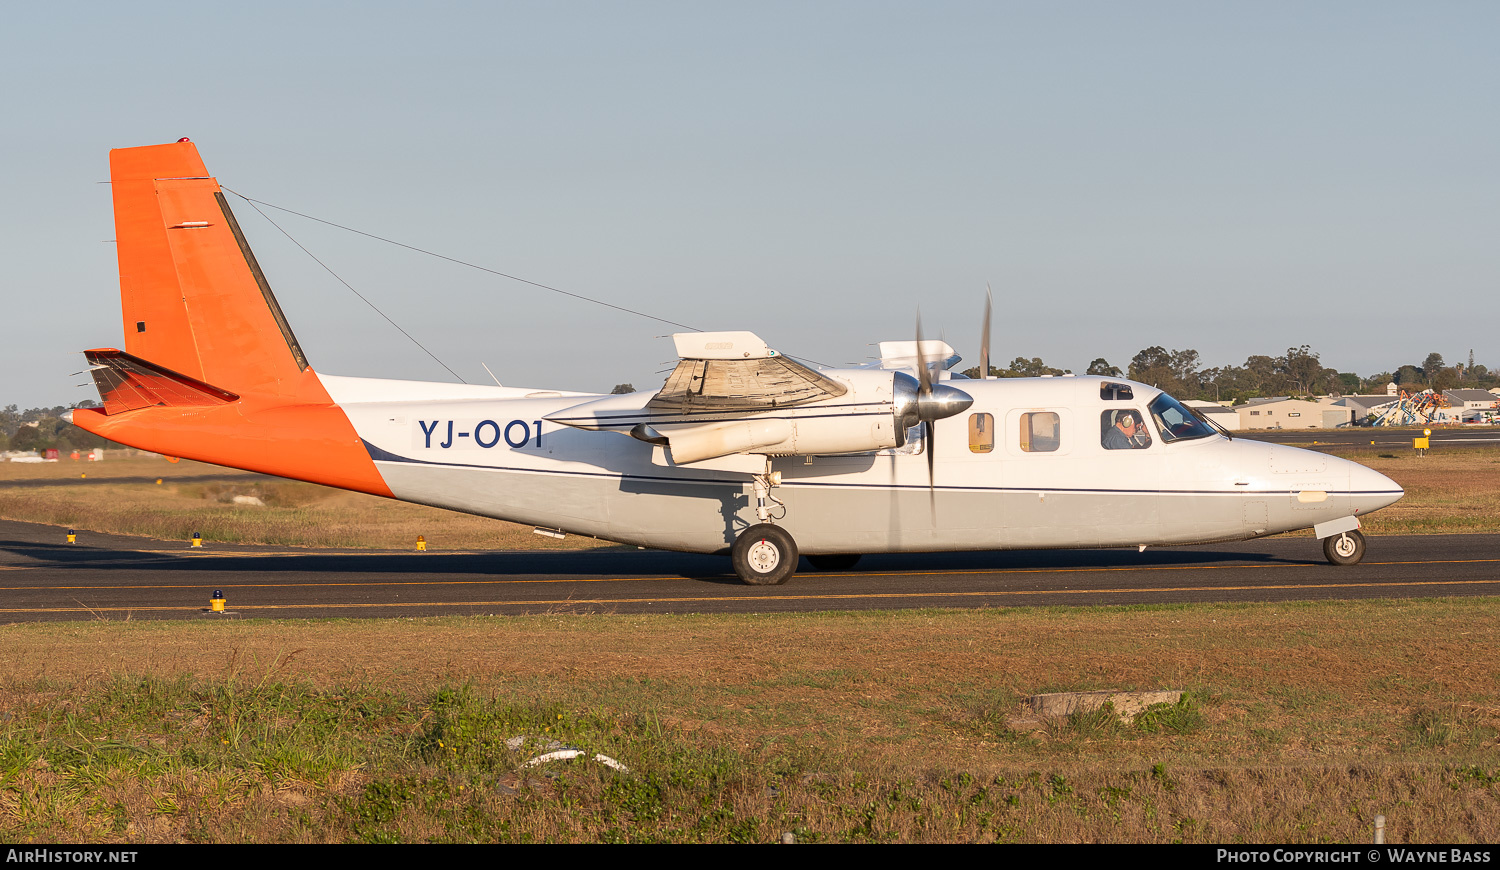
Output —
<point x="981" y="433"/>
<point x="1040" y="432"/>
<point x="1123" y="430"/>
<point x="1113" y="392"/>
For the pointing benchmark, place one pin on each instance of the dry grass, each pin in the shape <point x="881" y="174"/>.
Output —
<point x="1306" y="721"/>
<point x="122" y="497"/>
<point x="1450" y="491"/>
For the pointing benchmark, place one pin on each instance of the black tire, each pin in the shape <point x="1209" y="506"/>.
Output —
<point x="1347" y="548"/>
<point x="764" y="555"/>
<point x="833" y="562"/>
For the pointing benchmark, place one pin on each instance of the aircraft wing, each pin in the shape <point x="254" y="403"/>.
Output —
<point x="736" y="371"/>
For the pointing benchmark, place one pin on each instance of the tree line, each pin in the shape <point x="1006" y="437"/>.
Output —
<point x="1298" y="372"/>
<point x="43" y="428"/>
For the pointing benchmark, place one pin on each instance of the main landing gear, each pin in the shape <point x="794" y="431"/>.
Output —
<point x="1346" y="548"/>
<point x="764" y="555"/>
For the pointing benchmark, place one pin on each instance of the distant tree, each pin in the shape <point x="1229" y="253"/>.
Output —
<point x="29" y="438"/>
<point x="1410" y="378"/>
<point x="622" y="389"/>
<point x="1021" y="367"/>
<point x="1431" y="366"/>
<point x="1101" y="366"/>
<point x="1153" y="366"/>
<point x="1175" y="372"/>
<point x="1302" y="370"/>
<point x="1261" y="375"/>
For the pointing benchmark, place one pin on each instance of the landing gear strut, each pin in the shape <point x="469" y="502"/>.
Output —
<point x="764" y="554"/>
<point x="1346" y="548"/>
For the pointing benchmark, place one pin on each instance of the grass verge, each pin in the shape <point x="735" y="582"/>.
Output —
<point x="1301" y="723"/>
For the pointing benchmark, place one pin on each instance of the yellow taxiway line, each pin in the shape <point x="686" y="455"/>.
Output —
<point x="829" y="596"/>
<point x="984" y="572"/>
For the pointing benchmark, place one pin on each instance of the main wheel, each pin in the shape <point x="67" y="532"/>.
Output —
<point x="834" y="562"/>
<point x="1345" y="549"/>
<point x="764" y="555"/>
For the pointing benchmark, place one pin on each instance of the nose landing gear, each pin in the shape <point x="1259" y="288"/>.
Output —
<point x="1347" y="548"/>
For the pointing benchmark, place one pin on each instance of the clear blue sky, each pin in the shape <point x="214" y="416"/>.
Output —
<point x="1232" y="177"/>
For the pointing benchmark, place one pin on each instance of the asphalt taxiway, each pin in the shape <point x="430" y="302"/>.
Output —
<point x="115" y="577"/>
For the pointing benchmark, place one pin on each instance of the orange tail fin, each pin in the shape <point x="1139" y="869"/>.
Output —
<point x="194" y="299"/>
<point x="211" y="370"/>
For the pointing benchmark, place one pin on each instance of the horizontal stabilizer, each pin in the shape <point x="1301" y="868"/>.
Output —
<point x="128" y="382"/>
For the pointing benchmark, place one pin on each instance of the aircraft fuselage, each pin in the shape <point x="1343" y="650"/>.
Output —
<point x="492" y="451"/>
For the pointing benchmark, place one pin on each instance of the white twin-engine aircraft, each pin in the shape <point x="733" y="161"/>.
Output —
<point x="743" y="451"/>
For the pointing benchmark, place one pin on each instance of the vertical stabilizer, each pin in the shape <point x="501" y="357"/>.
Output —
<point x="194" y="299"/>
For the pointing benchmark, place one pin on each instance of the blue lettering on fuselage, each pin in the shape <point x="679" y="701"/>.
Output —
<point x="485" y="434"/>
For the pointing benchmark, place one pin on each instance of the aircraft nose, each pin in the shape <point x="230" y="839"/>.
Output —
<point x="1369" y="490"/>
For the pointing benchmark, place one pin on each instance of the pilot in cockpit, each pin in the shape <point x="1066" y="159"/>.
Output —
<point x="1128" y="432"/>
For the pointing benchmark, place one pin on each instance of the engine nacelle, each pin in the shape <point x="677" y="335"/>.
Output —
<point x="776" y="436"/>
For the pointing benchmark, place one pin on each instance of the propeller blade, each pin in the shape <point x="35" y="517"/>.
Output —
<point x="924" y="375"/>
<point x="924" y="407"/>
<point x="931" y="455"/>
<point x="984" y="335"/>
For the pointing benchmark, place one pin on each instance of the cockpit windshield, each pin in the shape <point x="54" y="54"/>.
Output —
<point x="1176" y="422"/>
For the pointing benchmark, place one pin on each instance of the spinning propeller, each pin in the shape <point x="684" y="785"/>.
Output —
<point x="925" y="401"/>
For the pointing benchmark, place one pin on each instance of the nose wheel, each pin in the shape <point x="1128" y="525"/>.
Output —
<point x="1346" y="548"/>
<point x="764" y="555"/>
